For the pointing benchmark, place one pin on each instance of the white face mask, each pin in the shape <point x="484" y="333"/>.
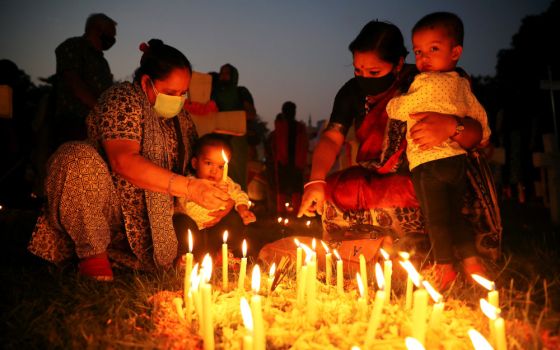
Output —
<point x="167" y="106"/>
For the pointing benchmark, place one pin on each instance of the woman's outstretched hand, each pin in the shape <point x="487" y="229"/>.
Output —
<point x="431" y="129"/>
<point x="207" y="194"/>
<point x="312" y="200"/>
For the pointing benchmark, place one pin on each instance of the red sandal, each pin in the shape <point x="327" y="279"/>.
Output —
<point x="96" y="267"/>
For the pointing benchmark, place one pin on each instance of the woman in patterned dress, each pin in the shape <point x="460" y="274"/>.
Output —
<point x="112" y="196"/>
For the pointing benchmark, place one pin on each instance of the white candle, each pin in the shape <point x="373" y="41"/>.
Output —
<point x="242" y="268"/>
<point x="387" y="273"/>
<point x="437" y="309"/>
<point x="256" y="308"/>
<point x="299" y="258"/>
<point x="419" y="313"/>
<point x="225" y="262"/>
<point x="271" y="274"/>
<point x="189" y="307"/>
<point x="362" y="302"/>
<point x="339" y="274"/>
<point x="493" y="295"/>
<point x="311" y="287"/>
<point x="493" y="313"/>
<point x="207" y="327"/>
<point x="377" y="307"/>
<point x="188" y="267"/>
<point x="328" y="264"/>
<point x="363" y="273"/>
<point x="413" y="344"/>
<point x="301" y="285"/>
<point x="413" y="277"/>
<point x="226" y="161"/>
<point x="314" y="253"/>
<point x="248" y="322"/>
<point x="178" y="302"/>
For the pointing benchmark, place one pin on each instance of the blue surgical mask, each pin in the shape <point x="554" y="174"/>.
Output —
<point x="167" y="106"/>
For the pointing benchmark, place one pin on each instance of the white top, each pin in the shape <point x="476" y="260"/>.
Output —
<point x="441" y="92"/>
<point x="200" y="214"/>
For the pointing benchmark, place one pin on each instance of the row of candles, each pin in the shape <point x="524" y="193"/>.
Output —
<point x="197" y="291"/>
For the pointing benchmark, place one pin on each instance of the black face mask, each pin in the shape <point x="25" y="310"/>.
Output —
<point x="107" y="41"/>
<point x="375" y="86"/>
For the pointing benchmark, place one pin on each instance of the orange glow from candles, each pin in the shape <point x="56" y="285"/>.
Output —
<point x="296" y="241"/>
<point x="478" y="340"/>
<point x="244" y="248"/>
<point x="206" y="268"/>
<point x="272" y="271"/>
<point x="256" y="279"/>
<point x="225" y="237"/>
<point x="313" y="244"/>
<point x="385" y="254"/>
<point x="489" y="310"/>
<point x="433" y="293"/>
<point x="489" y="285"/>
<point x="413" y="344"/>
<point x="379" y="276"/>
<point x="336" y="254"/>
<point x="190" y="239"/>
<point x="412" y="273"/>
<point x="326" y="247"/>
<point x="360" y="284"/>
<point x="246" y="314"/>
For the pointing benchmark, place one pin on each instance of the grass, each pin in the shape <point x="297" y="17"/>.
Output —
<point x="51" y="307"/>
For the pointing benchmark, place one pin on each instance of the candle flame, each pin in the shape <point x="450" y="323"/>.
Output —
<point x="224" y="156"/>
<point x="272" y="271"/>
<point x="478" y="340"/>
<point x="413" y="344"/>
<point x="286" y="204"/>
<point x="489" y="310"/>
<point x="325" y="246"/>
<point x="433" y="293"/>
<point x="384" y="253"/>
<point x="360" y="284"/>
<point x="412" y="273"/>
<point x="336" y="254"/>
<point x="244" y="248"/>
<point x="404" y="255"/>
<point x="308" y="223"/>
<point x="225" y="237"/>
<point x="195" y="280"/>
<point x="484" y="282"/>
<point x="286" y="221"/>
<point x="308" y="252"/>
<point x="190" y="241"/>
<point x="296" y="241"/>
<point x="256" y="279"/>
<point x="280" y="219"/>
<point x="246" y="314"/>
<point x="313" y="244"/>
<point x="206" y="267"/>
<point x="379" y="276"/>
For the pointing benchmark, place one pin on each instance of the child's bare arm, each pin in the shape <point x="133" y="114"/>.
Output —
<point x="246" y="215"/>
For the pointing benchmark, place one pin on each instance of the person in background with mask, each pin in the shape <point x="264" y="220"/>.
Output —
<point x="111" y="198"/>
<point x="82" y="74"/>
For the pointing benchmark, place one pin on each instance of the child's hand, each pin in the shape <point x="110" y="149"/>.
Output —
<point x="246" y="215"/>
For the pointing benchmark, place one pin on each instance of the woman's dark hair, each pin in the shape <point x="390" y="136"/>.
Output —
<point x="384" y="38"/>
<point x="159" y="60"/>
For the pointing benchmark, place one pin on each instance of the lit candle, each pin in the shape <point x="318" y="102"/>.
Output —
<point x="408" y="300"/>
<point x="493" y="313"/>
<point x="188" y="308"/>
<point x="256" y="308"/>
<point x="420" y="303"/>
<point x="195" y="281"/>
<point x="377" y="307"/>
<point x="225" y="262"/>
<point x="226" y="161"/>
<point x="413" y="344"/>
<point x="286" y="222"/>
<point x="387" y="273"/>
<point x="188" y="267"/>
<point x="299" y="258"/>
<point x="301" y="285"/>
<point x="311" y="288"/>
<point x="437" y="310"/>
<point x="478" y="341"/>
<point x="248" y="322"/>
<point x="271" y="273"/>
<point x="178" y="302"/>
<point x="328" y="264"/>
<point x="242" y="268"/>
<point x="493" y="295"/>
<point x="363" y="273"/>
<point x="339" y="274"/>
<point x="207" y="326"/>
<point x="206" y="268"/>
<point x="308" y="223"/>
<point x="362" y="302"/>
<point x="280" y="219"/>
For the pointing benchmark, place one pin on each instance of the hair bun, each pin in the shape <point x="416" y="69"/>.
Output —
<point x="144" y="47"/>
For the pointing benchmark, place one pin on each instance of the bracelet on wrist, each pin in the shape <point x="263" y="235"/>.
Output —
<point x="309" y="183"/>
<point x="170" y="183"/>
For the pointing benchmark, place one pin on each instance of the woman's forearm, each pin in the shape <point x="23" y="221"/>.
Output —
<point x="471" y="135"/>
<point x="325" y="154"/>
